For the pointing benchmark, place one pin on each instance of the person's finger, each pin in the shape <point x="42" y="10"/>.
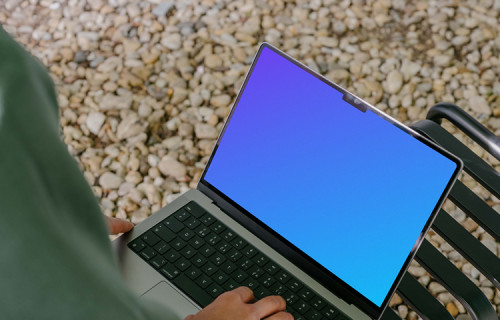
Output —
<point x="191" y="316"/>
<point x="116" y="225"/>
<point x="280" y="316"/>
<point x="269" y="305"/>
<point x="245" y="293"/>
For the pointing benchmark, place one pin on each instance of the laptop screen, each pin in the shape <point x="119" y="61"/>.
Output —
<point x="348" y="188"/>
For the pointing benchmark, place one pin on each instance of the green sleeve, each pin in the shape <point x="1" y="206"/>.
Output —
<point x="57" y="261"/>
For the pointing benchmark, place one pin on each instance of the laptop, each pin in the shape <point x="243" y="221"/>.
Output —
<point x="310" y="193"/>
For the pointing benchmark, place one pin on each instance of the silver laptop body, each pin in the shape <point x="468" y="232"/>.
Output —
<point x="148" y="281"/>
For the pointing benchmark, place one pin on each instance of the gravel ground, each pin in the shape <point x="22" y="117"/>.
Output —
<point x="144" y="86"/>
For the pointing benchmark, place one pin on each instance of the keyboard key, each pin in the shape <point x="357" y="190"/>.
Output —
<point x="301" y="307"/>
<point x="213" y="239"/>
<point x="209" y="269"/>
<point x="271" y="268"/>
<point x="306" y="294"/>
<point x="267" y="280"/>
<point x="150" y="238"/>
<point x="158" y="262"/>
<point x="162" y="247"/>
<point x="223" y="247"/>
<point x="283" y="276"/>
<point x="278" y="288"/>
<point x="194" y="209"/>
<point x="244" y="263"/>
<point x="196" y="242"/>
<point x="260" y="259"/>
<point x="228" y="267"/>
<point x="313" y="315"/>
<point x="207" y="219"/>
<point x="186" y="234"/>
<point x="318" y="303"/>
<point x="217" y="259"/>
<point x="202" y="231"/>
<point x="164" y="232"/>
<point x="218" y="227"/>
<point x="199" y="260"/>
<point x="173" y="224"/>
<point x="193" y="272"/>
<point x="172" y="255"/>
<point x="192" y="289"/>
<point x="170" y="271"/>
<point x="249" y="251"/>
<point x="234" y="255"/>
<point x="329" y="312"/>
<point x="188" y="252"/>
<point x="181" y="215"/>
<point x="137" y="245"/>
<point x="148" y="253"/>
<point x="251" y="283"/>
<point x="215" y="290"/>
<point x="204" y="281"/>
<point x="256" y="272"/>
<point x="192" y="223"/>
<point x="182" y="264"/>
<point x="238" y="243"/>
<point x="207" y="250"/>
<point x="230" y="285"/>
<point x="220" y="277"/>
<point x="228" y="235"/>
<point x="178" y="244"/>
<point x="294" y="285"/>
<point x="239" y="276"/>
<point x="290" y="297"/>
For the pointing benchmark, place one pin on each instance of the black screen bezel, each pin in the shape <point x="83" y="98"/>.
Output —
<point x="287" y="249"/>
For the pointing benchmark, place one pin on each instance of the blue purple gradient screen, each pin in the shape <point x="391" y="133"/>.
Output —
<point x="348" y="188"/>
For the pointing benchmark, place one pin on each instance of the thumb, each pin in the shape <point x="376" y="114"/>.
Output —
<point x="116" y="225"/>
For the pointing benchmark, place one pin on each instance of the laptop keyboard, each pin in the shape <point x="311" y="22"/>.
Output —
<point x="204" y="258"/>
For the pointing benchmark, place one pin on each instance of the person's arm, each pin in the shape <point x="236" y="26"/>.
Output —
<point x="57" y="261"/>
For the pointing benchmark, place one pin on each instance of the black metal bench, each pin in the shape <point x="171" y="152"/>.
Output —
<point x="429" y="257"/>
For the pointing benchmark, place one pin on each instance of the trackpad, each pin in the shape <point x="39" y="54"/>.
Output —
<point x="165" y="294"/>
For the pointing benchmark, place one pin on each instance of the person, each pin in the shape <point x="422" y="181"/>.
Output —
<point x="57" y="261"/>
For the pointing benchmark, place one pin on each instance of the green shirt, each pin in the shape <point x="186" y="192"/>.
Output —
<point x="56" y="257"/>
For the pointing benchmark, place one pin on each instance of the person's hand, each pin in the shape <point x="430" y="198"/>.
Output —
<point x="117" y="226"/>
<point x="238" y="305"/>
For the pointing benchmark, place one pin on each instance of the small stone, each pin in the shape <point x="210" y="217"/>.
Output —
<point x="220" y="101"/>
<point x="452" y="309"/>
<point x="94" y="122"/>
<point x="339" y="27"/>
<point x="479" y="105"/>
<point x="442" y="60"/>
<point x="396" y="300"/>
<point x="179" y="95"/>
<point x="114" y="102"/>
<point x="172" y="168"/>
<point x="110" y="180"/>
<point x="403" y="311"/>
<point x="394" y="81"/>
<point x="129" y="127"/>
<point x="150" y="57"/>
<point x="205" y="131"/>
<point x="80" y="56"/>
<point x="172" y="41"/>
<point x="213" y="61"/>
<point x="163" y="8"/>
<point x="436" y="287"/>
<point x="185" y="130"/>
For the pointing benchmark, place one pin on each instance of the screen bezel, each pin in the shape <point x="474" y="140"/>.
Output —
<point x="290" y="251"/>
